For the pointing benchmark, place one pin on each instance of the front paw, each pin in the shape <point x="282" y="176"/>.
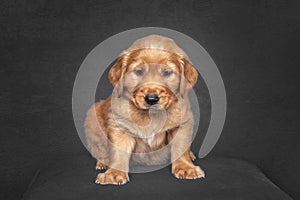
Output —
<point x="113" y="177"/>
<point x="184" y="171"/>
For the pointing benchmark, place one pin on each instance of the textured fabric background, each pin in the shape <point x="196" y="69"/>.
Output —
<point x="255" y="44"/>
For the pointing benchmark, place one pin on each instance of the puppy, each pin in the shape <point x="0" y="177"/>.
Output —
<point x="147" y="120"/>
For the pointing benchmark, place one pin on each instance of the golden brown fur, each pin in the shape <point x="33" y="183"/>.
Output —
<point x="124" y="129"/>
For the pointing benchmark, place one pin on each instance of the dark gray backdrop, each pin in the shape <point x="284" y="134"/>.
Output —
<point x="254" y="44"/>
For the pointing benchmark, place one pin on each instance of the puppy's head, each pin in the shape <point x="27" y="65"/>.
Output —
<point x="151" y="77"/>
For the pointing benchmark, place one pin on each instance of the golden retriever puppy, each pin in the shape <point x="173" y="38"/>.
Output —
<point x="147" y="119"/>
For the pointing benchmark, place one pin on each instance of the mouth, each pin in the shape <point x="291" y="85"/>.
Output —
<point x="153" y="107"/>
<point x="153" y="102"/>
<point x="154" y="97"/>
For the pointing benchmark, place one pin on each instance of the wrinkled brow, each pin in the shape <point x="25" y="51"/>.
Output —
<point x="173" y="65"/>
<point x="142" y="57"/>
<point x="135" y="63"/>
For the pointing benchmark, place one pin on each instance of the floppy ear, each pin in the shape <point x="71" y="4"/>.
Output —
<point x="116" y="73"/>
<point x="189" y="76"/>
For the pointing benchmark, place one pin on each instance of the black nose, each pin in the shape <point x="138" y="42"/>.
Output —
<point x="151" y="99"/>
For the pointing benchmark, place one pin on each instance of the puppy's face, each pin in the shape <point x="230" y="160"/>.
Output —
<point x="152" y="77"/>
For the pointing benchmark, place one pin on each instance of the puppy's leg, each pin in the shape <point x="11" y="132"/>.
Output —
<point x="98" y="144"/>
<point x="100" y="165"/>
<point x="192" y="155"/>
<point x="182" y="166"/>
<point x="121" y="149"/>
<point x="96" y="136"/>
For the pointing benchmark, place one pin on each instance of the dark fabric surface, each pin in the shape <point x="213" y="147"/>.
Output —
<point x="255" y="45"/>
<point x="232" y="179"/>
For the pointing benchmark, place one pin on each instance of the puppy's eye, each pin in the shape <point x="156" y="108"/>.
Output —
<point x="139" y="72"/>
<point x="167" y="73"/>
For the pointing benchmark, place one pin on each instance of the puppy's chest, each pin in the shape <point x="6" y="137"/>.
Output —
<point x="153" y="143"/>
<point x="151" y="130"/>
